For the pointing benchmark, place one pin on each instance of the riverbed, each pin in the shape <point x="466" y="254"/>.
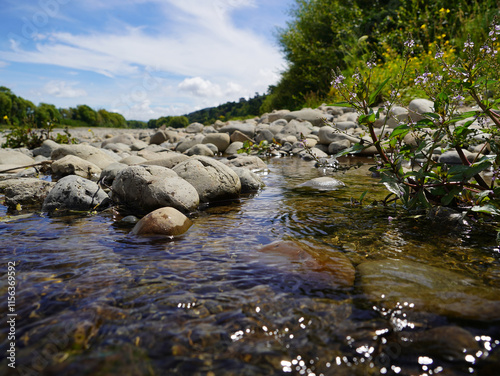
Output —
<point x="91" y="299"/>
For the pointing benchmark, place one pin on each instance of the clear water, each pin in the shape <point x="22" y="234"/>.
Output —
<point x="93" y="300"/>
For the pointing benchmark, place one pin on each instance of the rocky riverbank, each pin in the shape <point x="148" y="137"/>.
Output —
<point x="144" y="170"/>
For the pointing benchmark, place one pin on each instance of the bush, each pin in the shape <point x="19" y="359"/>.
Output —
<point x="447" y="83"/>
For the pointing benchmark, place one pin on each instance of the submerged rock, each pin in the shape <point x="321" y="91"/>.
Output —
<point x="250" y="181"/>
<point x="323" y="183"/>
<point x="312" y="263"/>
<point x="163" y="221"/>
<point x="429" y="289"/>
<point x="75" y="193"/>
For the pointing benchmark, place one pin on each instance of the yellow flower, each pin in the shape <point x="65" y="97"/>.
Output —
<point x="6" y="117"/>
<point x="423" y="27"/>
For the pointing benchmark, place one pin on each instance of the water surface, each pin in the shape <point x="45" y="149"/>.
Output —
<point x="94" y="300"/>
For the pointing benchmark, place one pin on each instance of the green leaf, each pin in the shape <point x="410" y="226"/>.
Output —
<point x="401" y="130"/>
<point x="394" y="187"/>
<point x="367" y="119"/>
<point x="448" y="198"/>
<point x="373" y="96"/>
<point x="353" y="149"/>
<point x="487" y="208"/>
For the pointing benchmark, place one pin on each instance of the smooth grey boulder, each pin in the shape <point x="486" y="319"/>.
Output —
<point x="194" y="128"/>
<point x="124" y="138"/>
<point x="25" y="191"/>
<point x="250" y="181"/>
<point x="158" y="138"/>
<point x="264" y="135"/>
<point x="75" y="193"/>
<point x="14" y="158"/>
<point x="328" y="134"/>
<point x="312" y="154"/>
<point x="94" y="155"/>
<point x="277" y="126"/>
<point x="452" y="157"/>
<point x="251" y="162"/>
<point x="247" y="129"/>
<point x="143" y="189"/>
<point x="396" y="116"/>
<point x="200" y="149"/>
<point x="73" y="165"/>
<point x="337" y="146"/>
<point x="118" y="148"/>
<point x="315" y="117"/>
<point x="189" y="143"/>
<point x="109" y="173"/>
<point x="238" y="136"/>
<point x="420" y="106"/>
<point x="132" y="160"/>
<point x="221" y="140"/>
<point x="430" y="289"/>
<point x="296" y="129"/>
<point x="138" y="145"/>
<point x="46" y="149"/>
<point x="233" y="148"/>
<point x="277" y="115"/>
<point x="213" y="180"/>
<point x="168" y="160"/>
<point x="323" y="183"/>
<point x="344" y="125"/>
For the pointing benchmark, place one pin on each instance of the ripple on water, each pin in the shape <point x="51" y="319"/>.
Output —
<point x="206" y="303"/>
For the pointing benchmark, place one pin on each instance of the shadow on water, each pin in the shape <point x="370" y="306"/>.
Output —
<point x="92" y="299"/>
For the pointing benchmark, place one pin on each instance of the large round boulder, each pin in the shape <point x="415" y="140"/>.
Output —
<point x="212" y="179"/>
<point x="143" y="189"/>
<point x="75" y="193"/>
<point x="221" y="140"/>
<point x="73" y="165"/>
<point x="87" y="152"/>
<point x="163" y="221"/>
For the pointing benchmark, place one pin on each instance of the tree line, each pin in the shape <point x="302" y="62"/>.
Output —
<point x="17" y="111"/>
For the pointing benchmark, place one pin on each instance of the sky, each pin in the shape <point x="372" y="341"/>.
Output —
<point x="142" y="58"/>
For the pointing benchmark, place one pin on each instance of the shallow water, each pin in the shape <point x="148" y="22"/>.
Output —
<point x="91" y="299"/>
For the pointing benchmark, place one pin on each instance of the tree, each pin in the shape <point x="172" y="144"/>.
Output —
<point x="178" y="122"/>
<point x="317" y="39"/>
<point x="87" y="114"/>
<point x="46" y="115"/>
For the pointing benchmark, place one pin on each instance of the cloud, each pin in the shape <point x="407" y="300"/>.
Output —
<point x="200" y="87"/>
<point x="3" y="64"/>
<point x="62" y="89"/>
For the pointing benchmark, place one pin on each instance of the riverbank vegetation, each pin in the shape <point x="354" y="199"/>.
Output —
<point x="324" y="34"/>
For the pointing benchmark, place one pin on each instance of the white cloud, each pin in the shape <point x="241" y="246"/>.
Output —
<point x="3" y="64"/>
<point x="200" y="87"/>
<point x="206" y="57"/>
<point x="63" y="89"/>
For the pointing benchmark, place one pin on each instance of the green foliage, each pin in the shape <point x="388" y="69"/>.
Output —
<point x="329" y="33"/>
<point x="431" y="183"/>
<point x="231" y="110"/>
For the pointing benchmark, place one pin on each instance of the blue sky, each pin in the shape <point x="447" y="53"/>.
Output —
<point x="142" y="58"/>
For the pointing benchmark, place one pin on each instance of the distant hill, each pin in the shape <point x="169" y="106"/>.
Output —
<point x="242" y="109"/>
